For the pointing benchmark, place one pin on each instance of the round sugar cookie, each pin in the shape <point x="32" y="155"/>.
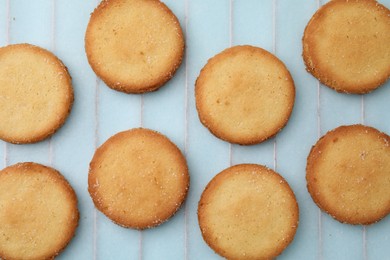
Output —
<point x="348" y="174"/>
<point x="244" y="95"/>
<point x="134" y="46"/>
<point x="36" y="93"/>
<point x="248" y="211"/>
<point x="138" y="178"/>
<point x="38" y="212"/>
<point x="346" y="45"/>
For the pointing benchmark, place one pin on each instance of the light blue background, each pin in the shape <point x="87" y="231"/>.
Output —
<point x="99" y="112"/>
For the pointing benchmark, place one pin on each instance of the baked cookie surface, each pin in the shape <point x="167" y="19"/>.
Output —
<point x="38" y="212"/>
<point x="36" y="93"/>
<point x="346" y="45"/>
<point x="134" y="46"/>
<point x="138" y="178"/>
<point x="348" y="174"/>
<point x="248" y="212"/>
<point x="244" y="95"/>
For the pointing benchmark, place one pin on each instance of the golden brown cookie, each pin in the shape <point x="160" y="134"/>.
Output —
<point x="244" y="95"/>
<point x="348" y="174"/>
<point x="346" y="45"/>
<point x="36" y="93"/>
<point x="134" y="46"/>
<point x="248" y="212"/>
<point x="138" y="178"/>
<point x="38" y="212"/>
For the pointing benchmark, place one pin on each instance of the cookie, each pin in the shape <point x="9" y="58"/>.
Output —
<point x="38" y="212"/>
<point x="36" y="93"/>
<point x="134" y="46"/>
<point x="138" y="178"/>
<point x="346" y="45"/>
<point x="244" y="95"/>
<point x="348" y="174"/>
<point x="248" y="211"/>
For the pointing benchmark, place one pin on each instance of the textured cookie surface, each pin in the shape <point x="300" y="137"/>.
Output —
<point x="134" y="46"/>
<point x="346" y="45"/>
<point x="38" y="212"/>
<point x="348" y="174"/>
<point x="138" y="178"/>
<point x="248" y="212"/>
<point x="36" y="94"/>
<point x="244" y="95"/>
